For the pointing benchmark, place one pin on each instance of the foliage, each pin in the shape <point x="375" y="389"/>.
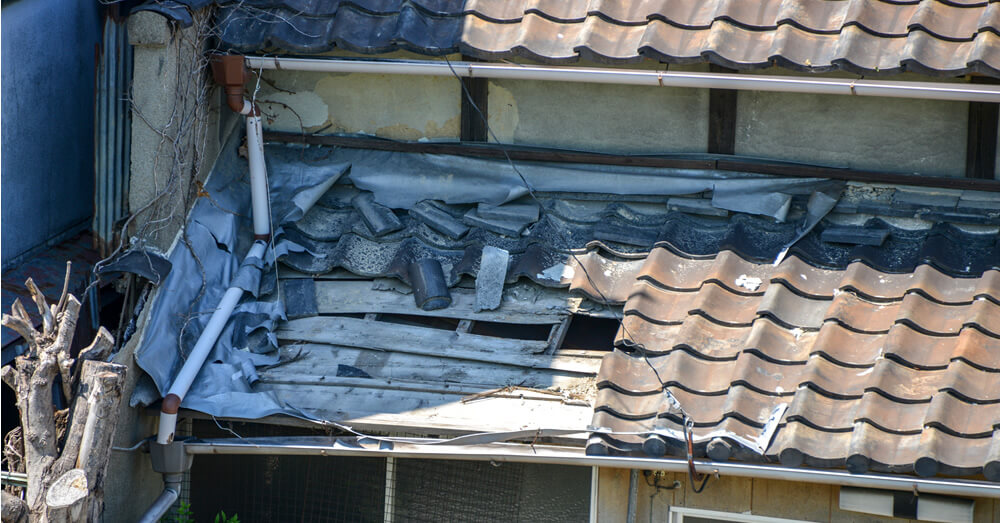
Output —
<point x="221" y="518"/>
<point x="183" y="514"/>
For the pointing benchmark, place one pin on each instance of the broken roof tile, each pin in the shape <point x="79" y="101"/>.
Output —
<point x="888" y="371"/>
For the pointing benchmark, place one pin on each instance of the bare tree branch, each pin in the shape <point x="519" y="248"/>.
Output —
<point x="48" y="322"/>
<point x="100" y="348"/>
<point x="24" y="328"/>
<point x="9" y="375"/>
<point x="65" y="290"/>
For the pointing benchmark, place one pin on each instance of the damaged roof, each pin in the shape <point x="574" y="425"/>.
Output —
<point x="875" y="355"/>
<point x="935" y="37"/>
<point x="872" y="344"/>
<point x="875" y="370"/>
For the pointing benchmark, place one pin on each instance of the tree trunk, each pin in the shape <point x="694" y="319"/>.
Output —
<point x="64" y="484"/>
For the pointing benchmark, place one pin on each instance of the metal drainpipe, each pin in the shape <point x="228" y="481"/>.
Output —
<point x="633" y="495"/>
<point x="166" y="499"/>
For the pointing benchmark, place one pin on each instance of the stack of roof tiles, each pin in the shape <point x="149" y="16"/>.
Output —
<point x="940" y="37"/>
<point x="885" y="371"/>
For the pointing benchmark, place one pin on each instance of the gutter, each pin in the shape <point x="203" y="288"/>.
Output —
<point x="959" y="92"/>
<point x="556" y="455"/>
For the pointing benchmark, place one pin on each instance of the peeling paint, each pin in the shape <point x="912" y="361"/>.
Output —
<point x="432" y="129"/>
<point x="293" y="112"/>
<point x="503" y="116"/>
<point x="405" y="109"/>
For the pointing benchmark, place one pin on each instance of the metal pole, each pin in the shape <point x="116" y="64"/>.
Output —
<point x="595" y="484"/>
<point x="389" y="515"/>
<point x="633" y="494"/>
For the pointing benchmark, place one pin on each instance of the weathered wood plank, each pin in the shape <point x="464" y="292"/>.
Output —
<point x="558" y="334"/>
<point x="286" y="272"/>
<point x="353" y="332"/>
<point x="320" y="362"/>
<point x="553" y="301"/>
<point x="426" y="412"/>
<point x="375" y="383"/>
<point x="346" y="297"/>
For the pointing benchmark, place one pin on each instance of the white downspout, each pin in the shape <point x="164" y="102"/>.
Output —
<point x="262" y="234"/>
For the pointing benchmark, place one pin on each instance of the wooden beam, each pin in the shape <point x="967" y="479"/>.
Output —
<point x="427" y="412"/>
<point x="363" y="334"/>
<point x="351" y="297"/>
<point x="734" y="164"/>
<point x="474" y="94"/>
<point x="981" y="141"/>
<point x="721" y="117"/>
<point x="320" y="363"/>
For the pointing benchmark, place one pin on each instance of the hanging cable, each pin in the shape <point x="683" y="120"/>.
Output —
<point x="688" y="422"/>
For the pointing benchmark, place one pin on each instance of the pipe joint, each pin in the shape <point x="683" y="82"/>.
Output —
<point x="171" y="458"/>
<point x="230" y="71"/>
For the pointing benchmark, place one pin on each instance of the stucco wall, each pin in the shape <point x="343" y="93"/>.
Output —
<point x="176" y="132"/>
<point x="601" y="117"/>
<point x="397" y="107"/>
<point x="130" y="484"/>
<point x="48" y="121"/>
<point x="868" y="133"/>
<point x="782" y="499"/>
<point x="883" y="134"/>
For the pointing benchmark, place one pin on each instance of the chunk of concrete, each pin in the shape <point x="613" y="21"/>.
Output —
<point x="854" y="235"/>
<point x="300" y="297"/>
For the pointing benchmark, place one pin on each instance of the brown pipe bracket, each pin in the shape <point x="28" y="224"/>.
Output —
<point x="230" y="71"/>
<point x="266" y="238"/>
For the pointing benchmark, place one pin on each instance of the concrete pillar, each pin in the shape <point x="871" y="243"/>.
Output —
<point x="175" y="123"/>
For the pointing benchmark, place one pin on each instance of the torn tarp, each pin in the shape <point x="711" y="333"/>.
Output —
<point x="206" y="261"/>
<point x="401" y="180"/>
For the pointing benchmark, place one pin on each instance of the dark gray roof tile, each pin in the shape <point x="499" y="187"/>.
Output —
<point x="864" y="37"/>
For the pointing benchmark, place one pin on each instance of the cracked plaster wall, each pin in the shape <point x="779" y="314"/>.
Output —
<point x="397" y="107"/>
<point x="162" y="63"/>
<point x="882" y="134"/>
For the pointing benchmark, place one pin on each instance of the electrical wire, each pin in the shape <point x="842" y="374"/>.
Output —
<point x="688" y="422"/>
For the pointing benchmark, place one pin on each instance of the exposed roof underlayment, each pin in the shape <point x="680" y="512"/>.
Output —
<point x="872" y="342"/>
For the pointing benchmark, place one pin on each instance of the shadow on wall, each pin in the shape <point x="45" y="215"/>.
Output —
<point x="48" y="50"/>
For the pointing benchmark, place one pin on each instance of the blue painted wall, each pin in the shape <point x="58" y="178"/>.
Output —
<point x="47" y="120"/>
